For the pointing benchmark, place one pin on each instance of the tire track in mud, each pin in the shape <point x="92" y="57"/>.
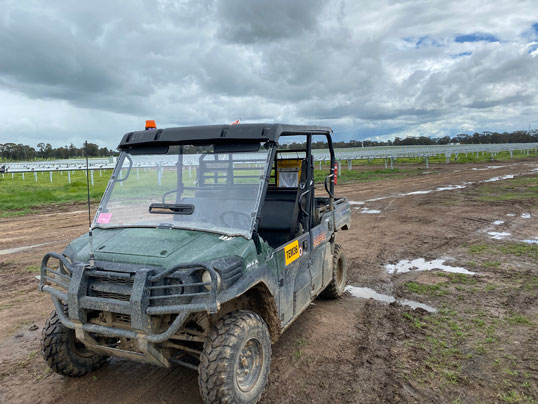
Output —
<point x="374" y="351"/>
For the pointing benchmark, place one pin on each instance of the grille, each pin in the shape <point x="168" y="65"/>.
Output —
<point x="110" y="295"/>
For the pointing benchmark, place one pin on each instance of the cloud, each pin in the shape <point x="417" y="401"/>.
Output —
<point x="248" y="22"/>
<point x="72" y="70"/>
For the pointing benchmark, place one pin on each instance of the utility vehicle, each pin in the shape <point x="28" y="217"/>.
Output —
<point x="208" y="243"/>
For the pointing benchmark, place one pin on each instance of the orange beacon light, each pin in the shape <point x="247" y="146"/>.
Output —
<point x="150" y="124"/>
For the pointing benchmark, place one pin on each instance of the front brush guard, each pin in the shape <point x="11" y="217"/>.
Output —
<point x="74" y="279"/>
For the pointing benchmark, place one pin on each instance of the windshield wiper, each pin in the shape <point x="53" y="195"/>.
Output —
<point x="174" y="208"/>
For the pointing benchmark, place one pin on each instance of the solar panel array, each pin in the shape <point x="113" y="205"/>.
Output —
<point x="388" y="153"/>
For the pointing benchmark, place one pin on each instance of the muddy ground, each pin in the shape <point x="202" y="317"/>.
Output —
<point x="480" y="346"/>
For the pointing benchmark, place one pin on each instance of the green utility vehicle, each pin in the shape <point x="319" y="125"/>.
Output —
<point x="208" y="243"/>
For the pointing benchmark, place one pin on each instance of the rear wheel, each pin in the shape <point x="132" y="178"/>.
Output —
<point x="337" y="286"/>
<point x="64" y="353"/>
<point x="235" y="361"/>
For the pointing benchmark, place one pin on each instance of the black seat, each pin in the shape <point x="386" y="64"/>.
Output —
<point x="279" y="216"/>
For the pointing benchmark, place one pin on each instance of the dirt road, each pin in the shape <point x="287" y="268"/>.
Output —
<point x="480" y="345"/>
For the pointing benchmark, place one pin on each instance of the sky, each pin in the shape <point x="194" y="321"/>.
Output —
<point x="73" y="70"/>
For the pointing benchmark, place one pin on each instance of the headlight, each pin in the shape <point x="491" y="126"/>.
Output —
<point x="206" y="278"/>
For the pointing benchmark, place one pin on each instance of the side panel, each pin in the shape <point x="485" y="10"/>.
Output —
<point x="342" y="213"/>
<point x="321" y="272"/>
<point x="294" y="277"/>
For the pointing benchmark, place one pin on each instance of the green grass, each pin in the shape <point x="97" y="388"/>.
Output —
<point x="20" y="197"/>
<point x="478" y="248"/>
<point x="491" y="264"/>
<point x="420" y="289"/>
<point x="517" y="249"/>
<point x="366" y="175"/>
<point x="521" y="250"/>
<point x="516" y="189"/>
<point x="518" y="319"/>
<point x="441" y="159"/>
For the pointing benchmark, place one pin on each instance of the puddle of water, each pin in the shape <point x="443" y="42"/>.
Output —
<point x="418" y="192"/>
<point x="438" y="189"/>
<point x="504" y="177"/>
<point x="450" y="188"/>
<point x="511" y="214"/>
<point x="525" y="215"/>
<point x="25" y="248"/>
<point x="367" y="293"/>
<point x="498" y="222"/>
<point x="370" y="211"/>
<point x="378" y="199"/>
<point x="487" y="168"/>
<point x="420" y="264"/>
<point x="417" y="305"/>
<point x="495" y="235"/>
<point x="530" y="241"/>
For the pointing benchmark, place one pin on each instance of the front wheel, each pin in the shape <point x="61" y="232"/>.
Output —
<point x="337" y="286"/>
<point x="235" y="362"/>
<point x="64" y="353"/>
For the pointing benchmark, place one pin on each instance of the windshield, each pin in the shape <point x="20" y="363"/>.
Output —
<point x="211" y="188"/>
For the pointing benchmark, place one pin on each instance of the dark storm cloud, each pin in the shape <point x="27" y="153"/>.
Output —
<point x="68" y="69"/>
<point x="246" y="21"/>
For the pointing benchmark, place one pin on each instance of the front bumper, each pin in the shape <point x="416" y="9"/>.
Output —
<point x="137" y="296"/>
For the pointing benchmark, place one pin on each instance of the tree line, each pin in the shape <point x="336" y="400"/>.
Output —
<point x="519" y="136"/>
<point x="22" y="152"/>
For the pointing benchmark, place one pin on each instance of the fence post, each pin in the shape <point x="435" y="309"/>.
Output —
<point x="427" y="162"/>
<point x="91" y="175"/>
<point x="69" y="176"/>
<point x="50" y="175"/>
<point x="35" y="175"/>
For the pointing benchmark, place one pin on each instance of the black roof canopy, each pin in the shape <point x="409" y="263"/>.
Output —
<point x="259" y="132"/>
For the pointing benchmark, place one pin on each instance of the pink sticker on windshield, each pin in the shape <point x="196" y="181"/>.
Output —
<point x="104" y="218"/>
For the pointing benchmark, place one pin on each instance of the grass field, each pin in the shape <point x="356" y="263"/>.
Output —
<point x="20" y="196"/>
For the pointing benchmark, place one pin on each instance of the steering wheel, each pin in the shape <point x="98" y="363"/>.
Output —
<point x="234" y="219"/>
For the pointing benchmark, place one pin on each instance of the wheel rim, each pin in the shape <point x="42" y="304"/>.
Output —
<point x="340" y="278"/>
<point x="248" y="366"/>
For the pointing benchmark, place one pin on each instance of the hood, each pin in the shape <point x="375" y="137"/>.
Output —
<point x="159" y="247"/>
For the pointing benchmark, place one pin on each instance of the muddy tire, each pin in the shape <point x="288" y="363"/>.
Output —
<point x="337" y="286"/>
<point x="63" y="353"/>
<point x="235" y="361"/>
